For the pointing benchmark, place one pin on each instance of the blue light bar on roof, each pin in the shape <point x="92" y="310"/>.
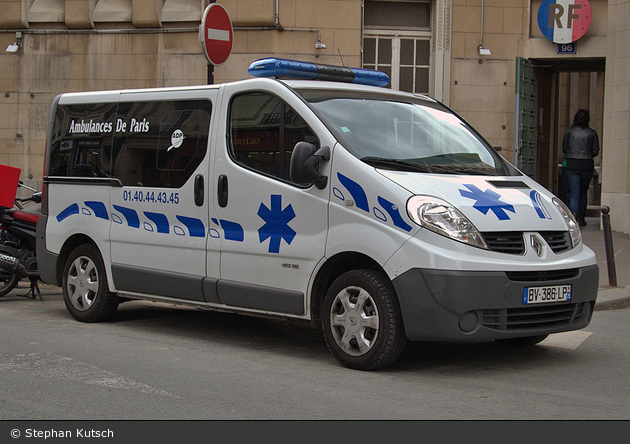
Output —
<point x="275" y="67"/>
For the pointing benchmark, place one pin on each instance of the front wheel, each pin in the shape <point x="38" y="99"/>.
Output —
<point x="361" y="320"/>
<point x="85" y="289"/>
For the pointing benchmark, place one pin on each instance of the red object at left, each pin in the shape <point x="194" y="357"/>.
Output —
<point x="9" y="178"/>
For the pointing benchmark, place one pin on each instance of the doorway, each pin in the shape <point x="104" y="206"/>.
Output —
<point x="548" y="94"/>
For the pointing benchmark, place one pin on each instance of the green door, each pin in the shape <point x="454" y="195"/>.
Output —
<point x="526" y="117"/>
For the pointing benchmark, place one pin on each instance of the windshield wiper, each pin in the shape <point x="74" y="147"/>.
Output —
<point x="397" y="164"/>
<point x="477" y="172"/>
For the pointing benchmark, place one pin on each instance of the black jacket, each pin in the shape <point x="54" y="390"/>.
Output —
<point x="580" y="143"/>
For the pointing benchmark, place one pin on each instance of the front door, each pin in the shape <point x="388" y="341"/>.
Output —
<point x="273" y="231"/>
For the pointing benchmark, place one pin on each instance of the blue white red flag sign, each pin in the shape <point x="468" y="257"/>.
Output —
<point x="564" y="21"/>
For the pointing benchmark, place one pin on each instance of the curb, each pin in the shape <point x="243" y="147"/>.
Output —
<point x="613" y="298"/>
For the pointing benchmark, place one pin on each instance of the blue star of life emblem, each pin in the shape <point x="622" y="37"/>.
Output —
<point x="276" y="225"/>
<point x="487" y="200"/>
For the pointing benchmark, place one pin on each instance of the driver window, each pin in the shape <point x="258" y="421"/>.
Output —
<point x="263" y="131"/>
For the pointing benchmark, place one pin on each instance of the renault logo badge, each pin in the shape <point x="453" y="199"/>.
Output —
<point x="537" y="245"/>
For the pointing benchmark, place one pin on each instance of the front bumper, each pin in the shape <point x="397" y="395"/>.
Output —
<point x="439" y="305"/>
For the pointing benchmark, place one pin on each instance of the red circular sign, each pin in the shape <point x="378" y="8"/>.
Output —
<point x="218" y="35"/>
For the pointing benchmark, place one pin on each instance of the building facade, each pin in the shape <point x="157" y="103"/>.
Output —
<point x="489" y="60"/>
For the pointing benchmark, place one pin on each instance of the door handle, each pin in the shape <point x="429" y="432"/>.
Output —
<point x="198" y="190"/>
<point x="222" y="191"/>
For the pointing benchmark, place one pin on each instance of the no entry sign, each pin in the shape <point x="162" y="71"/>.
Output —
<point x="218" y="35"/>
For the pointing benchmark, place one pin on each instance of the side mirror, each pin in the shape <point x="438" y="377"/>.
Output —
<point x="304" y="167"/>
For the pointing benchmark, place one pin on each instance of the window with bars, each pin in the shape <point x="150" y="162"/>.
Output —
<point x="397" y="41"/>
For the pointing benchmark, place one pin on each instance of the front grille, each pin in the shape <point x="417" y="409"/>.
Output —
<point x="513" y="242"/>
<point x="559" y="241"/>
<point x="542" y="275"/>
<point x="534" y="317"/>
<point x="510" y="242"/>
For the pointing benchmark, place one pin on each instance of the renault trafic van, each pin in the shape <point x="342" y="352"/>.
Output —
<point x="377" y="215"/>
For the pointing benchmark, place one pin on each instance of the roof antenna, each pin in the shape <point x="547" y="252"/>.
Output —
<point x="342" y="64"/>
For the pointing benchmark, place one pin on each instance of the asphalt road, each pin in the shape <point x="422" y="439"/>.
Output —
<point x="159" y="362"/>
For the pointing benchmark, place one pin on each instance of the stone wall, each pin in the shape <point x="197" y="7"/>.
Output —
<point x="90" y="45"/>
<point x="616" y="140"/>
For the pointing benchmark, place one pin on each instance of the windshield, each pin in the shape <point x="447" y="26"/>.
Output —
<point x="405" y="133"/>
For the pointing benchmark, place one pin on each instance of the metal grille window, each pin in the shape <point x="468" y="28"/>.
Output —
<point x="397" y="14"/>
<point x="414" y="65"/>
<point x="377" y="54"/>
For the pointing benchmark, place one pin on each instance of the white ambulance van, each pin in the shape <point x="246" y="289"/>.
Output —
<point x="377" y="215"/>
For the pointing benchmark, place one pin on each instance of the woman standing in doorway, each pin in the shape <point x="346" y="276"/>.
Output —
<point x="580" y="145"/>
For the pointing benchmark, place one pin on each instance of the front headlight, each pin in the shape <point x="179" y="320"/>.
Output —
<point x="572" y="225"/>
<point x="443" y="218"/>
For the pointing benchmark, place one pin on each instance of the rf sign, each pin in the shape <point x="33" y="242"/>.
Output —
<point x="564" y="21"/>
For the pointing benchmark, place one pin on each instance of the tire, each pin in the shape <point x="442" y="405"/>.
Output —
<point x="84" y="284"/>
<point x="361" y="320"/>
<point x="8" y="281"/>
<point x="523" y="342"/>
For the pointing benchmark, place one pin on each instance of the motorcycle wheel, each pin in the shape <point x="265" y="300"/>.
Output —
<point x="8" y="281"/>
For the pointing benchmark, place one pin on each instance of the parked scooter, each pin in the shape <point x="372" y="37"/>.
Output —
<point x="17" y="244"/>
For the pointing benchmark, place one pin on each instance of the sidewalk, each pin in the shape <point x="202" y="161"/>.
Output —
<point x="609" y="297"/>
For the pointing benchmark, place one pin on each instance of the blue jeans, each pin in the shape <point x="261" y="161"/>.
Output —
<point x="578" y="182"/>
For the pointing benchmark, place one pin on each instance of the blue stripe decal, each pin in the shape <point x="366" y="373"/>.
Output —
<point x="195" y="226"/>
<point x="72" y="209"/>
<point x="394" y="214"/>
<point x="132" y="217"/>
<point x="160" y="220"/>
<point x="357" y="192"/>
<point x="536" y="197"/>
<point x="99" y="209"/>
<point x="232" y="231"/>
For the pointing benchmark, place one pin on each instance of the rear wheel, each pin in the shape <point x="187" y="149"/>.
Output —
<point x="85" y="289"/>
<point x="8" y="281"/>
<point x="361" y="320"/>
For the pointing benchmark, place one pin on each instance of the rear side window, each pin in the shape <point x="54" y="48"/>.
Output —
<point x="82" y="140"/>
<point x="146" y="144"/>
<point x="263" y="131"/>
<point x="160" y="144"/>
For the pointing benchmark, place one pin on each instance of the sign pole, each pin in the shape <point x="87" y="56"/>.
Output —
<point x="210" y="65"/>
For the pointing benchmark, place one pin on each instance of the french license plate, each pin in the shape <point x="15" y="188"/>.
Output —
<point x="539" y="295"/>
